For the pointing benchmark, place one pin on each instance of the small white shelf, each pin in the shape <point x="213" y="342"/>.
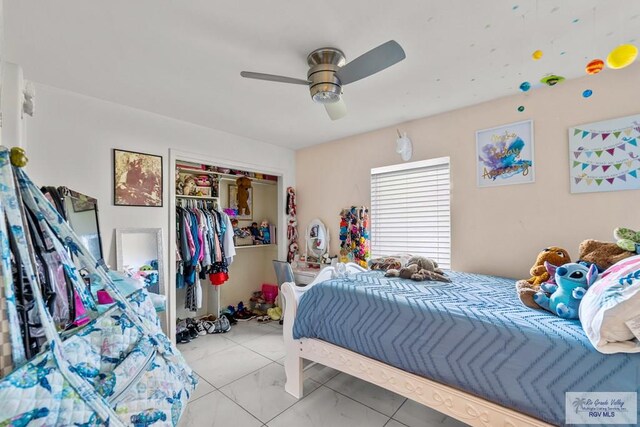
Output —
<point x="229" y="177"/>
<point x="256" y="246"/>
<point x="225" y="176"/>
<point x="182" y="196"/>
<point x="197" y="172"/>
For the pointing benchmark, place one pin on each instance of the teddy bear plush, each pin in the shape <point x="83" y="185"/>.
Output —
<point x="602" y="254"/>
<point x="627" y="239"/>
<point x="563" y="297"/>
<point x="526" y="289"/>
<point x="419" y="268"/>
<point x="244" y="184"/>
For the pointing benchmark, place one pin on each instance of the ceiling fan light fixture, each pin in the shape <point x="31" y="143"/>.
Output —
<point x="326" y="93"/>
<point x="329" y="71"/>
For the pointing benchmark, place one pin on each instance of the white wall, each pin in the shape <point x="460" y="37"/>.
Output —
<point x="71" y="140"/>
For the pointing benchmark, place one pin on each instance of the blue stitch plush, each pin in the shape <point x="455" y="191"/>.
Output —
<point x="571" y="283"/>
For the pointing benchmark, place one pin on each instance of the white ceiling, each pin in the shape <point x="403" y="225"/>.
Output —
<point x="183" y="59"/>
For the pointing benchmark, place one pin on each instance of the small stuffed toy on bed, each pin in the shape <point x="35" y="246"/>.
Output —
<point x="627" y="239"/>
<point x="526" y="289"/>
<point x="419" y="268"/>
<point x="563" y="297"/>
<point x="385" y="263"/>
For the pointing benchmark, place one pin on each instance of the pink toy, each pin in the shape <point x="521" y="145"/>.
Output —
<point x="270" y="292"/>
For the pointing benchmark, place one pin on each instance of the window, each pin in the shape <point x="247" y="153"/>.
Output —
<point x="410" y="210"/>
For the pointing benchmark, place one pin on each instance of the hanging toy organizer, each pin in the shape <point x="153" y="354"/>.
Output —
<point x="354" y="235"/>
<point x="292" y="225"/>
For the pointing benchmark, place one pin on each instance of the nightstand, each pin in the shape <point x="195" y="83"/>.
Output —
<point x="305" y="275"/>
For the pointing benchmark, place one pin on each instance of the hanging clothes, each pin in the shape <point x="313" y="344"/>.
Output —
<point x="205" y="248"/>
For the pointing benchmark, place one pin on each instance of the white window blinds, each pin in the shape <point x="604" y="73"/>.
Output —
<point x="410" y="210"/>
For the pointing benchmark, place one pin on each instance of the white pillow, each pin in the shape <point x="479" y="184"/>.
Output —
<point x="609" y="303"/>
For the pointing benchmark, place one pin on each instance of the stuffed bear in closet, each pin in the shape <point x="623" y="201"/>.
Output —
<point x="244" y="184"/>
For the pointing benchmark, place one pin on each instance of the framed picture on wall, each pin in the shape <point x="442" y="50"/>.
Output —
<point x="605" y="156"/>
<point x="505" y="155"/>
<point x="233" y="202"/>
<point x="137" y="179"/>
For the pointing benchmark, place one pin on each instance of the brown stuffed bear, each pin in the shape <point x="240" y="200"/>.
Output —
<point x="527" y="288"/>
<point x="419" y="268"/>
<point x="602" y="254"/>
<point x="244" y="184"/>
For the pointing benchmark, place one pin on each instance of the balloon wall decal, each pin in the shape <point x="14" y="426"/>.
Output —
<point x="622" y="56"/>
<point x="551" y="80"/>
<point x="594" y="66"/>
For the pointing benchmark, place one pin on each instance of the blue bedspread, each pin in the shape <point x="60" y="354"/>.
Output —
<point x="472" y="334"/>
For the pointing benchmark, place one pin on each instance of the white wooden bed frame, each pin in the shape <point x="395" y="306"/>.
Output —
<point x="450" y="401"/>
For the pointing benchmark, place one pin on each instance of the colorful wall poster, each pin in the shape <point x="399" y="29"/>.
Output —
<point x="505" y="155"/>
<point x="604" y="156"/>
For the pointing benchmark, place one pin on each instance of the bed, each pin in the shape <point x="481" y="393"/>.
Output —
<point x="468" y="349"/>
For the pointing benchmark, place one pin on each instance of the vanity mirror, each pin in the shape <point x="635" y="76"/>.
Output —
<point x="139" y="255"/>
<point x="317" y="237"/>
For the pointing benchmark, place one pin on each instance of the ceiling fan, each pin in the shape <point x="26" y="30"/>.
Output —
<point x="329" y="71"/>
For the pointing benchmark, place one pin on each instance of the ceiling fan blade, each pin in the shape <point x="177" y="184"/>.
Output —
<point x="337" y="110"/>
<point x="273" y="78"/>
<point x="369" y="63"/>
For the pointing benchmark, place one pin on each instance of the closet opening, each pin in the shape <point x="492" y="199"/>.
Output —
<point x="232" y="216"/>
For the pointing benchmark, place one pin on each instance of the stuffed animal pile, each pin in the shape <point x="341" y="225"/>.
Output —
<point x="557" y="285"/>
<point x="419" y="268"/>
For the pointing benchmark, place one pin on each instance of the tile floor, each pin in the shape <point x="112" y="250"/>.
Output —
<point x="242" y="385"/>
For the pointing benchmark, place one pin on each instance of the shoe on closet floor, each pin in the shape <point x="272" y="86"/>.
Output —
<point x="229" y="318"/>
<point x="243" y="313"/>
<point x="218" y="326"/>
<point x="200" y="328"/>
<point x="183" y="337"/>
<point x="225" y="325"/>
<point x="192" y="329"/>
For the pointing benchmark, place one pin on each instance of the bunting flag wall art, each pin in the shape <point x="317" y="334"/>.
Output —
<point x="605" y="156"/>
<point x="505" y="155"/>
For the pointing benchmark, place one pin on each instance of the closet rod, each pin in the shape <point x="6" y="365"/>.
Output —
<point x="253" y="181"/>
